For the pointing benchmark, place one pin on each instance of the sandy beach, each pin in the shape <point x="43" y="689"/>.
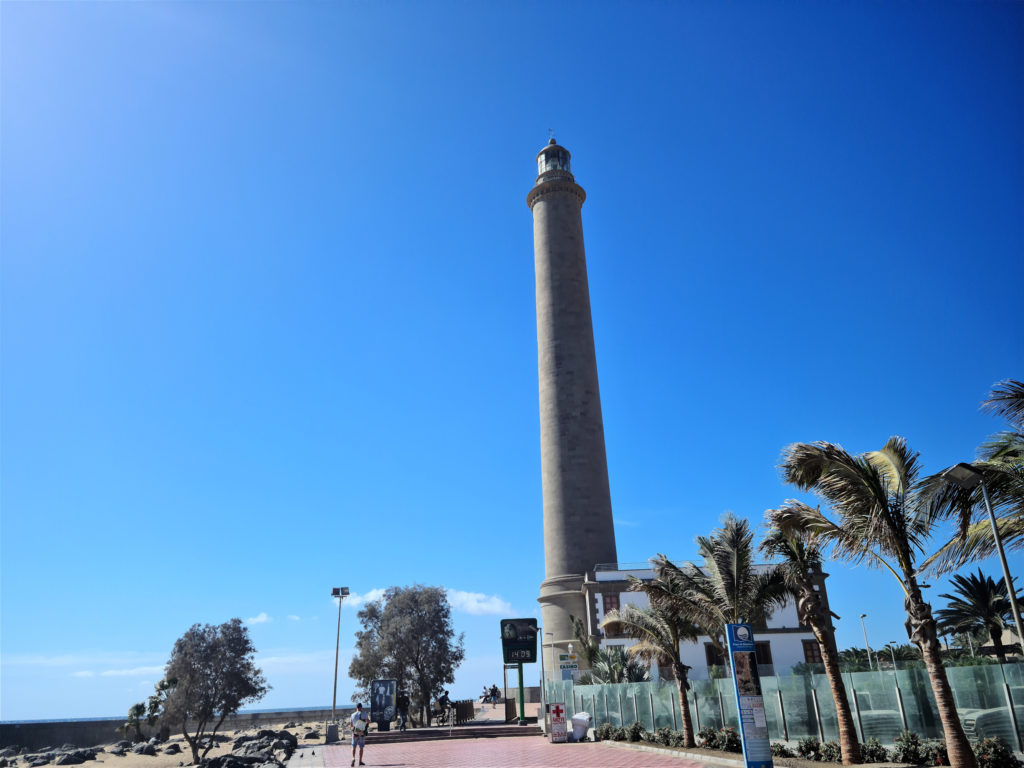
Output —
<point x="132" y="760"/>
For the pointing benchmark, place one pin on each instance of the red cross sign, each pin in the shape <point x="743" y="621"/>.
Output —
<point x="557" y="712"/>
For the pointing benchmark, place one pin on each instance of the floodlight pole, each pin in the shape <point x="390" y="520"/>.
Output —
<point x="866" y="646"/>
<point x="968" y="476"/>
<point x="340" y="593"/>
<point x="1010" y="592"/>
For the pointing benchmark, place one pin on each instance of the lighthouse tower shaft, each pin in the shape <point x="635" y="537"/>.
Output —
<point x="578" y="528"/>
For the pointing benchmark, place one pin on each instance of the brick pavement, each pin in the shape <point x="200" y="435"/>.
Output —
<point x="518" y="752"/>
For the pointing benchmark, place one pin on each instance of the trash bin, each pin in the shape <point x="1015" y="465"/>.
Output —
<point x="580" y="724"/>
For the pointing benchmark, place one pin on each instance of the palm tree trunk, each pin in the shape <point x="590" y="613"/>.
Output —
<point x="997" y="643"/>
<point x="848" y="741"/>
<point x="684" y="706"/>
<point x="921" y="627"/>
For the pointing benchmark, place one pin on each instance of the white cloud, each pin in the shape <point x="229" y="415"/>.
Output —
<point x="293" y="617"/>
<point x="477" y="603"/>
<point x="355" y="600"/>
<point x="134" y="671"/>
<point x="261" y="619"/>
<point x="84" y="673"/>
<point x="626" y="523"/>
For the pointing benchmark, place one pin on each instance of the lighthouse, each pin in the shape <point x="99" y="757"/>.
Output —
<point x="578" y="528"/>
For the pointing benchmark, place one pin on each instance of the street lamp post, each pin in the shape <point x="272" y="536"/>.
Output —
<point x="866" y="646"/>
<point x="892" y="650"/>
<point x="967" y="477"/>
<point x="341" y="593"/>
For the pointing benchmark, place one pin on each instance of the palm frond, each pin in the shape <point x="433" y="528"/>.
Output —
<point x="976" y="544"/>
<point x="1007" y="400"/>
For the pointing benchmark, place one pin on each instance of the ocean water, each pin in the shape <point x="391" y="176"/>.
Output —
<point x="121" y="717"/>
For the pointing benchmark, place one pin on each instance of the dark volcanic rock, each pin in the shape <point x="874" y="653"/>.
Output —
<point x="35" y="762"/>
<point x="172" y="749"/>
<point x="117" y="750"/>
<point x="144" y="749"/>
<point x="9" y="751"/>
<point x="312" y="735"/>
<point x="68" y="758"/>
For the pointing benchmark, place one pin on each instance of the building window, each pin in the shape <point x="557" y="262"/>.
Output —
<point x="713" y="656"/>
<point x="812" y="652"/>
<point x="763" y="649"/>
<point x="611" y="603"/>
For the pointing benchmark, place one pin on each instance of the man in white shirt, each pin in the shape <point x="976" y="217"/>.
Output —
<point x="360" y="722"/>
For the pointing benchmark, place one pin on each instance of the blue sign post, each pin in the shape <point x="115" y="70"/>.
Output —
<point x="757" y="747"/>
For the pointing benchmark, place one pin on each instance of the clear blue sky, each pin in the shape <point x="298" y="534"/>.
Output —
<point x="268" y="313"/>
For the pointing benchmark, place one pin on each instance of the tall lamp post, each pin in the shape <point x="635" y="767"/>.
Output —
<point x="341" y="593"/>
<point x="866" y="646"/>
<point x="892" y="650"/>
<point x="968" y="477"/>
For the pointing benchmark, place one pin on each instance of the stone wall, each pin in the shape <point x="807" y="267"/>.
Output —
<point x="88" y="733"/>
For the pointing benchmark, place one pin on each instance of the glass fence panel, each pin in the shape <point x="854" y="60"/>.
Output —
<point x="642" y="704"/>
<point x="1013" y="676"/>
<point x="772" y="713"/>
<point x="709" y="713"/>
<point x="980" y="695"/>
<point x="879" y="709"/>
<point x="919" y="702"/>
<point x="798" y="705"/>
<point x="727" y="701"/>
<point x="826" y="707"/>
<point x="666" y="714"/>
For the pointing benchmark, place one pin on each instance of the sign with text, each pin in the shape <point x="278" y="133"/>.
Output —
<point x="757" y="751"/>
<point x="519" y="640"/>
<point x="558" y="724"/>
<point x="383" y="695"/>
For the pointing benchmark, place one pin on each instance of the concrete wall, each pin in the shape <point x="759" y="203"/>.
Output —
<point x="87" y="733"/>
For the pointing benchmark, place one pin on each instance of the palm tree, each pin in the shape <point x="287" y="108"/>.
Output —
<point x="727" y="588"/>
<point x="659" y="629"/>
<point x="854" y="660"/>
<point x="614" y="665"/>
<point x="800" y="561"/>
<point x="980" y="603"/>
<point x="1001" y="463"/>
<point x="881" y="523"/>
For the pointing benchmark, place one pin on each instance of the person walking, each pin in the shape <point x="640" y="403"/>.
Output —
<point x="360" y="722"/>
<point x="403" y="709"/>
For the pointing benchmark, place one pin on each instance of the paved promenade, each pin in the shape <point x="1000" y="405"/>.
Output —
<point x="518" y="752"/>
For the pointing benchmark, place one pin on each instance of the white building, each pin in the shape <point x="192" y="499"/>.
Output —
<point x="781" y="643"/>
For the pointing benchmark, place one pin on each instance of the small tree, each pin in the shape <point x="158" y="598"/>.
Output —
<point x="210" y="675"/>
<point x="134" y="721"/>
<point x="408" y="636"/>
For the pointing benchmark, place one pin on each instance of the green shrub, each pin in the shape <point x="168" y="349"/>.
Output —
<point x="935" y="752"/>
<point x="722" y="739"/>
<point x="677" y="739"/>
<point x="635" y="732"/>
<point x="662" y="736"/>
<point x="907" y="748"/>
<point x="619" y="734"/>
<point x="809" y="748"/>
<point x="993" y="753"/>
<point x="707" y="738"/>
<point x="831" y="753"/>
<point x="729" y="740"/>
<point x="603" y="731"/>
<point x="781" y="750"/>
<point x="873" y="751"/>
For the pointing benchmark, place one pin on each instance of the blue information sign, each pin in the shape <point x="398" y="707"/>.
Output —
<point x="757" y="748"/>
